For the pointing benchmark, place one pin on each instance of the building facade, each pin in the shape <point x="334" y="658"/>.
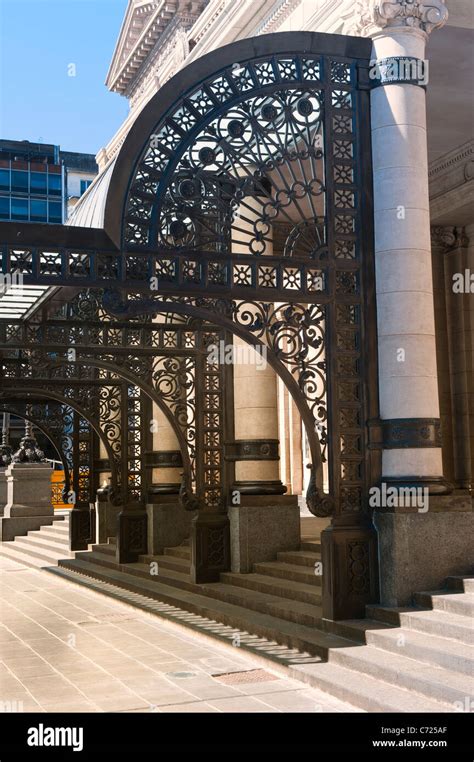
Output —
<point x="291" y="202"/>
<point x="41" y="183"/>
<point x="81" y="169"/>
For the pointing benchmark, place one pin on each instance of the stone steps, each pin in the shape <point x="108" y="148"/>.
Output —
<point x="40" y="547"/>
<point x="303" y="638"/>
<point x="445" y="624"/>
<point x="435" y="683"/>
<point x="294" y="572"/>
<point x="442" y="600"/>
<point x="294" y="611"/>
<point x="299" y="558"/>
<point x="58" y="530"/>
<point x="49" y="556"/>
<point x="181" y="551"/>
<point x="461" y="584"/>
<point x="309" y="543"/>
<point x="432" y="649"/>
<point x="368" y="676"/>
<point x="103" y="555"/>
<point x="26" y="559"/>
<point x="287" y="589"/>
<point x="362" y="690"/>
<point x="174" y="563"/>
<point x="36" y="539"/>
<point x="397" y="660"/>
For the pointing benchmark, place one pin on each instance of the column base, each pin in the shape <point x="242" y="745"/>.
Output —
<point x="419" y="550"/>
<point x="168" y="525"/>
<point x="259" y="487"/>
<point x="210" y="547"/>
<point x="156" y="491"/>
<point x="259" y="530"/>
<point x="437" y="485"/>
<point x="106" y="518"/>
<point x="350" y="571"/>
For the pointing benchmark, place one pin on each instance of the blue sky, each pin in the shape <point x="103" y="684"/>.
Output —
<point x="39" y="39"/>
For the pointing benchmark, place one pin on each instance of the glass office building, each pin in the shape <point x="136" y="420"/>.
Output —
<point x="32" y="182"/>
<point x="38" y="181"/>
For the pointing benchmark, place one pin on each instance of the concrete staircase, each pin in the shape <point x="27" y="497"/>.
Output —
<point x="42" y="547"/>
<point x="281" y="600"/>
<point x="419" y="658"/>
<point x="426" y="649"/>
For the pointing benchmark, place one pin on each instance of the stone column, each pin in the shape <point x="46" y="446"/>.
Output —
<point x="409" y="405"/>
<point x="459" y="312"/>
<point x="263" y="520"/>
<point x="257" y="470"/>
<point x="168" y="522"/>
<point x="410" y="536"/>
<point x="442" y="238"/>
<point x="165" y="460"/>
<point x="255" y="381"/>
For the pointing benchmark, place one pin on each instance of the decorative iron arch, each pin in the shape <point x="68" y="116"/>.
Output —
<point x="34" y="393"/>
<point x="84" y="361"/>
<point x="283" y="44"/>
<point x="247" y="180"/>
<point x="247" y="189"/>
<point x="223" y="317"/>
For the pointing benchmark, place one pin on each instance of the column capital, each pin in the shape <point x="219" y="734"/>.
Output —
<point x="442" y="237"/>
<point x="449" y="237"/>
<point x="370" y="17"/>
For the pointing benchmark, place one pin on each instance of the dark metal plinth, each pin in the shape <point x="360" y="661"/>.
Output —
<point x="210" y="547"/>
<point x="80" y="528"/>
<point x="350" y="571"/>
<point x="131" y="534"/>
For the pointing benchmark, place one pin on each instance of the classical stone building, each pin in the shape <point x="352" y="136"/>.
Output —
<point x="259" y="336"/>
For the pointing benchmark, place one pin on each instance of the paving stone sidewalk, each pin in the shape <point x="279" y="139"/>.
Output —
<point x="68" y="649"/>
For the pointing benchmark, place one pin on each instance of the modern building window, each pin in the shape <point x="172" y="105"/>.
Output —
<point x="38" y="210"/>
<point x="38" y="182"/>
<point x="55" y="211"/>
<point x="54" y="185"/>
<point x="19" y="208"/>
<point x="19" y="181"/>
<point x="5" y="179"/>
<point x="84" y="185"/>
<point x="4" y="208"/>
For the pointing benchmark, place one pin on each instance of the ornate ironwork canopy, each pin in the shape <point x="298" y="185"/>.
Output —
<point x="239" y="205"/>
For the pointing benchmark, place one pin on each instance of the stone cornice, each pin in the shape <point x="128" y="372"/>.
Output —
<point x="458" y="155"/>
<point x="125" y="65"/>
<point x="208" y="18"/>
<point x="327" y="17"/>
<point x="168" y="54"/>
<point x="452" y="169"/>
<point x="277" y="16"/>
